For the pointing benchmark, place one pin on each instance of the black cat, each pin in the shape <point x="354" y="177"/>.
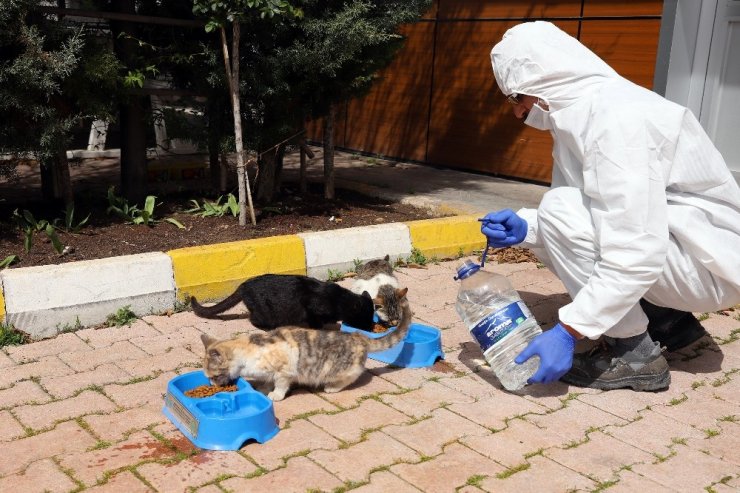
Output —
<point x="277" y="300"/>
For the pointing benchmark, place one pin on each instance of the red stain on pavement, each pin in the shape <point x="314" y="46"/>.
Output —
<point x="152" y="450"/>
<point x="183" y="445"/>
<point x="443" y="367"/>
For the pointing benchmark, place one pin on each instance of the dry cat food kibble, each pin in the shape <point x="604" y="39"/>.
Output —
<point x="378" y="328"/>
<point x="209" y="390"/>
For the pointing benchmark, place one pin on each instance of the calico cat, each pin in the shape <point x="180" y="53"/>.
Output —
<point x="291" y="355"/>
<point x="276" y="300"/>
<point x="376" y="278"/>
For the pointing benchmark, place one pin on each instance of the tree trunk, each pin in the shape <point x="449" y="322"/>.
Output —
<point x="214" y="144"/>
<point x="278" y="181"/>
<point x="61" y="167"/>
<point x="132" y="112"/>
<point x="266" y="179"/>
<point x="305" y="151"/>
<point x="133" y="150"/>
<point x="329" y="154"/>
<point x="232" y="72"/>
<point x="224" y="173"/>
<point x="56" y="184"/>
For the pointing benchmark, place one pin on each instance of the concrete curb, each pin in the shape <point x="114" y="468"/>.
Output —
<point x="43" y="301"/>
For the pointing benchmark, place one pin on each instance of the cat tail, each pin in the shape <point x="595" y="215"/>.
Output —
<point x="221" y="306"/>
<point x="398" y="335"/>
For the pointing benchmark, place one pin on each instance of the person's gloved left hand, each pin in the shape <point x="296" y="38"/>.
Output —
<point x="503" y="228"/>
<point x="555" y="348"/>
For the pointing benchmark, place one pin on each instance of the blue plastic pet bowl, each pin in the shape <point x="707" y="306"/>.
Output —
<point x="421" y="347"/>
<point x="223" y="421"/>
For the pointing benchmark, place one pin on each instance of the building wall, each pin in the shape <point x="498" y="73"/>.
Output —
<point x="438" y="102"/>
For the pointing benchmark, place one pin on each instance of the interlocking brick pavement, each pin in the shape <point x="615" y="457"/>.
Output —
<point x="44" y="415"/>
<point x="42" y="477"/>
<point x="63" y="343"/>
<point x="68" y="385"/>
<point x="10" y="428"/>
<point x="123" y="482"/>
<point x="49" y="366"/>
<point x="82" y="412"/>
<point x="24" y="392"/>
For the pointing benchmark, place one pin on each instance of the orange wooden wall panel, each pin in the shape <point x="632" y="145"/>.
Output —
<point x="472" y="126"/>
<point x="626" y="9"/>
<point x="630" y="47"/>
<point x="440" y="104"/>
<point x="432" y="12"/>
<point x="392" y="118"/>
<point x="530" y="9"/>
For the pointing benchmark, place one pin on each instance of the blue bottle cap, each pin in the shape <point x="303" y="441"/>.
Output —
<point x="466" y="269"/>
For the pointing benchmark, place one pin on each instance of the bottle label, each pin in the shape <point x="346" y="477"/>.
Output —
<point x="498" y="325"/>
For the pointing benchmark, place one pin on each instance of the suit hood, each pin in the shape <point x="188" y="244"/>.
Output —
<point x="539" y="59"/>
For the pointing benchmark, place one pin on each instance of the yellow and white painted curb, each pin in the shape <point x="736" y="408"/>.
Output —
<point x="447" y="236"/>
<point x="337" y="250"/>
<point x="2" y="303"/>
<point x="42" y="301"/>
<point x="211" y="272"/>
<point x="48" y="299"/>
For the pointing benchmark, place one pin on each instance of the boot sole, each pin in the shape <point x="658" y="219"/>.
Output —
<point x="640" y="383"/>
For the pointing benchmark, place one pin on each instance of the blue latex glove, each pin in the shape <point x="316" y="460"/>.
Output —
<point x="555" y="348"/>
<point x="503" y="228"/>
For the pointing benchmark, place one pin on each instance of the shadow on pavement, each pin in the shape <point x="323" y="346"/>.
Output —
<point x="472" y="357"/>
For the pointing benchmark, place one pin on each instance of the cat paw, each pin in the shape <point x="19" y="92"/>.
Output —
<point x="332" y="390"/>
<point x="276" y="396"/>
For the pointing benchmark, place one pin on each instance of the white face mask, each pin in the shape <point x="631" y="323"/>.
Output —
<point x="538" y="118"/>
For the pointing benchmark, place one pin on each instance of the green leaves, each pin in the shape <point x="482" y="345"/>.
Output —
<point x="136" y="78"/>
<point x="120" y="207"/>
<point x="69" y="223"/>
<point x="215" y="209"/>
<point x="7" y="261"/>
<point x="29" y="226"/>
<point x="219" y="11"/>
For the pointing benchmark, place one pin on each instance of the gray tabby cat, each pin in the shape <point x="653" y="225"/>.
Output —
<point x="291" y="355"/>
<point x="376" y="277"/>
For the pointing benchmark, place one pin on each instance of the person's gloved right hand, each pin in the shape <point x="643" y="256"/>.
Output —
<point x="555" y="348"/>
<point x="503" y="228"/>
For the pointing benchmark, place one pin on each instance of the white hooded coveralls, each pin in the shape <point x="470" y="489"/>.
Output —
<point x="641" y="205"/>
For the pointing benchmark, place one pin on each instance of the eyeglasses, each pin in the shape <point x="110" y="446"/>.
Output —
<point x="513" y="99"/>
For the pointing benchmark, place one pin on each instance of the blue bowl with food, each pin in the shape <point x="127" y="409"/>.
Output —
<point x="223" y="420"/>
<point x="421" y="347"/>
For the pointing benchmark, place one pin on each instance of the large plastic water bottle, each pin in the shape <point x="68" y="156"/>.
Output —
<point x="498" y="320"/>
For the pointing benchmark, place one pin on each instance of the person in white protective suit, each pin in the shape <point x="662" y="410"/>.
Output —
<point x="642" y="221"/>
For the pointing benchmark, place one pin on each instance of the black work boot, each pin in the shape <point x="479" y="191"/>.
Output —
<point x="609" y="367"/>
<point x="673" y="329"/>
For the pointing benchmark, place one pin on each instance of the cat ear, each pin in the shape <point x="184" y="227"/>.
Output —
<point x="387" y="257"/>
<point x="214" y="355"/>
<point x="400" y="293"/>
<point x="207" y="340"/>
<point x="366" y="294"/>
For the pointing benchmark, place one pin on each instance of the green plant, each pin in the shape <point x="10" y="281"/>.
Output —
<point x="10" y="336"/>
<point x="69" y="221"/>
<point x="7" y="261"/>
<point x="215" y="209"/>
<point x="132" y="214"/>
<point x="417" y="257"/>
<point x="123" y="316"/>
<point x="70" y="327"/>
<point x="30" y="226"/>
<point x="334" y="275"/>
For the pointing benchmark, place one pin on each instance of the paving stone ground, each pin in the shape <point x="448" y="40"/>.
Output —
<point x="82" y="412"/>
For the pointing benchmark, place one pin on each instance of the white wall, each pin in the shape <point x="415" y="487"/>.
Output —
<point x="699" y="42"/>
